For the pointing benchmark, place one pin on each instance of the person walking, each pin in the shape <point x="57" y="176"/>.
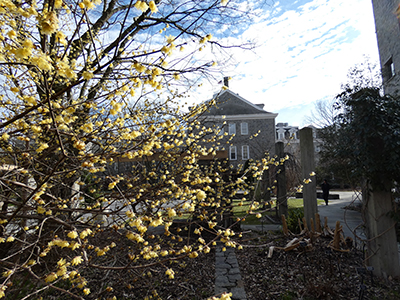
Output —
<point x="325" y="191"/>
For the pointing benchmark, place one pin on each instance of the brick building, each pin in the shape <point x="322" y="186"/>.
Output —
<point x="247" y="130"/>
<point x="386" y="14"/>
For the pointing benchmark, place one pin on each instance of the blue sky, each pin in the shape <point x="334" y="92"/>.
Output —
<point x="304" y="51"/>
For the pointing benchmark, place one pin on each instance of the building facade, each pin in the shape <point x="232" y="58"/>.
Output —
<point x="246" y="130"/>
<point x="387" y="14"/>
<point x="290" y="137"/>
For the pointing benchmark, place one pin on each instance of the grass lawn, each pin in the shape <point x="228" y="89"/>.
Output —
<point x="241" y="211"/>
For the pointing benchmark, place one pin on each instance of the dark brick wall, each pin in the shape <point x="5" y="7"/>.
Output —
<point x="388" y="35"/>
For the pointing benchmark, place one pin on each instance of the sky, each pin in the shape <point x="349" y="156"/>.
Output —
<point x="304" y="51"/>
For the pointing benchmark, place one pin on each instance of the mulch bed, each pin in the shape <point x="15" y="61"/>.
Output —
<point x="318" y="273"/>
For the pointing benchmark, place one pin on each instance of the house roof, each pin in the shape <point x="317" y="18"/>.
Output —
<point x="231" y="105"/>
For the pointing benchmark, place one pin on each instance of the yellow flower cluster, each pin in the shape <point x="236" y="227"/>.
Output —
<point x="141" y="5"/>
<point x="48" y="22"/>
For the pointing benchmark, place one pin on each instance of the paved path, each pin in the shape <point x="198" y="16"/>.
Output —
<point x="227" y="274"/>
<point x="350" y="220"/>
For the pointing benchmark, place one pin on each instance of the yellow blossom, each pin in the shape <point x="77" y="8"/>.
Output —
<point x="48" y="22"/>
<point x="42" y="147"/>
<point x="7" y="273"/>
<point x="86" y="291"/>
<point x="2" y="289"/>
<point x="72" y="234"/>
<point x="73" y="274"/>
<point x="61" y="262"/>
<point x="10" y="239"/>
<point x="171" y="213"/>
<point x="42" y="61"/>
<point x="153" y="6"/>
<point x="85" y="233"/>
<point x="80" y="145"/>
<point x="76" y="260"/>
<point x="170" y="273"/>
<point x="51" y="277"/>
<point x="170" y="39"/>
<point x="87" y="75"/>
<point x="61" y="271"/>
<point x="201" y="195"/>
<point x="11" y="34"/>
<point x="141" y="5"/>
<point x="88" y="4"/>
<point x="61" y="38"/>
<point x="57" y="3"/>
<point x="5" y="136"/>
<point x="41" y="210"/>
<point x="74" y="245"/>
<point x="61" y="243"/>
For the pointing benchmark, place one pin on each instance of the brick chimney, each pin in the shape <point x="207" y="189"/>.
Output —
<point x="226" y="81"/>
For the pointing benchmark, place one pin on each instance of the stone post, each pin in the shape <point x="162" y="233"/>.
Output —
<point x="307" y="167"/>
<point x="281" y="195"/>
<point x="382" y="247"/>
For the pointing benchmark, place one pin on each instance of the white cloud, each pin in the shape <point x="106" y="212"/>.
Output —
<point x="304" y="53"/>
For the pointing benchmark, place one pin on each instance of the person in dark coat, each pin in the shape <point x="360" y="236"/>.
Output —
<point x="325" y="190"/>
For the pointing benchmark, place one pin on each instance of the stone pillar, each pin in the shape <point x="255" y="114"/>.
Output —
<point x="381" y="232"/>
<point x="281" y="195"/>
<point x="307" y="167"/>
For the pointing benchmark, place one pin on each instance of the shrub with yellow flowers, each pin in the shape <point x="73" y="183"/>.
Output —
<point x="96" y="153"/>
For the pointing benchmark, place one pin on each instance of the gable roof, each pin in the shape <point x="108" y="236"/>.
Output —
<point x="231" y="104"/>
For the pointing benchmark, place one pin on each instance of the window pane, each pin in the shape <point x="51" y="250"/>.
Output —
<point x="220" y="129"/>
<point x="232" y="153"/>
<point x="244" y="128"/>
<point x="245" y="153"/>
<point x="232" y="128"/>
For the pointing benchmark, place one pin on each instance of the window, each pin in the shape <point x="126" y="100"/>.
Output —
<point x="389" y="70"/>
<point x="244" y="128"/>
<point x="232" y="128"/>
<point x="232" y="153"/>
<point x="220" y="129"/>
<point x="245" y="153"/>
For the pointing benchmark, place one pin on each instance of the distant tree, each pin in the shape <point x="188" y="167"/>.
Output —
<point x="323" y="114"/>
<point x="326" y="117"/>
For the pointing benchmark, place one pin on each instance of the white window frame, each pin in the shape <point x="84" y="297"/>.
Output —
<point x="245" y="152"/>
<point x="389" y="68"/>
<point x="220" y="127"/>
<point x="244" y="128"/>
<point x="232" y="128"/>
<point x="232" y="150"/>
